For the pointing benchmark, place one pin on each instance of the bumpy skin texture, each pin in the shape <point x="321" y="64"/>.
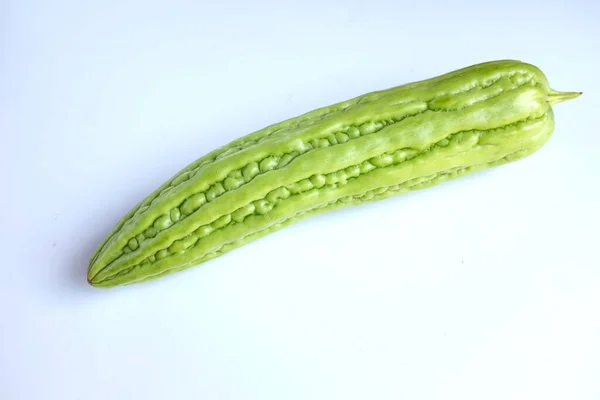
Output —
<point x="367" y="148"/>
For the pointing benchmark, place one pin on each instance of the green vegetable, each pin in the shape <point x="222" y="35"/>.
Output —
<point x="368" y="148"/>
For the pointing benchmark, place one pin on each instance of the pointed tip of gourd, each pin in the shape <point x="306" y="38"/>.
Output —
<point x="555" y="97"/>
<point x="92" y="278"/>
<point x="96" y="284"/>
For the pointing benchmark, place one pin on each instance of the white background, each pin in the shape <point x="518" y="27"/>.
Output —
<point x="482" y="288"/>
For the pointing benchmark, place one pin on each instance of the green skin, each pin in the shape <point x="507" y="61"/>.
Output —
<point x="368" y="148"/>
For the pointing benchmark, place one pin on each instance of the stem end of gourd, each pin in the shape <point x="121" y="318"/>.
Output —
<point x="555" y="97"/>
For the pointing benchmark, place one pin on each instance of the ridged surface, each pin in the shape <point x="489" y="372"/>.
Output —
<point x="367" y="148"/>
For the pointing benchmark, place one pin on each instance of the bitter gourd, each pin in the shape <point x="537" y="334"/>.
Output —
<point x="364" y="149"/>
